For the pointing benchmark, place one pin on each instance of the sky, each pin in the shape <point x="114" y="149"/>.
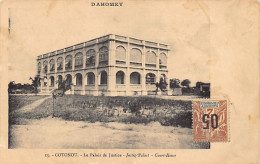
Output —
<point x="39" y="27"/>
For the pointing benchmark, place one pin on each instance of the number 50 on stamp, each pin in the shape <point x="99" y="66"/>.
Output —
<point x="210" y="121"/>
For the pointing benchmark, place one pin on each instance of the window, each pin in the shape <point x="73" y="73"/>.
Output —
<point x="68" y="62"/>
<point x="135" y="78"/>
<point x="60" y="63"/>
<point x="45" y="81"/>
<point x="39" y="67"/>
<point x="163" y="59"/>
<point x="136" y="56"/>
<point x="60" y="81"/>
<point x="91" y="78"/>
<point x="45" y="66"/>
<point x="52" y="81"/>
<point x="103" y="55"/>
<point x="150" y="57"/>
<point x="150" y="78"/>
<point x="120" y="53"/>
<point x="103" y="77"/>
<point x="52" y="65"/>
<point x="163" y="78"/>
<point x="78" y="60"/>
<point x="91" y="57"/>
<point x="78" y="79"/>
<point x="68" y="79"/>
<point x="120" y="75"/>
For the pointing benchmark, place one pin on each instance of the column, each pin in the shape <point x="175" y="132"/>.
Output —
<point x="143" y="55"/>
<point x="158" y="59"/>
<point x="144" y="92"/>
<point x="111" y="71"/>
<point x="158" y="80"/>
<point x="84" y="60"/>
<point x="96" y="83"/>
<point x="41" y="85"/>
<point x="127" y="73"/>
<point x="74" y="83"/>
<point x="84" y="82"/>
<point x="97" y="55"/>
<point x="111" y="81"/>
<point x="111" y="53"/>
<point x="48" y="84"/>
<point x="56" y="81"/>
<point x="63" y="63"/>
<point x="73" y="62"/>
<point x="55" y="65"/>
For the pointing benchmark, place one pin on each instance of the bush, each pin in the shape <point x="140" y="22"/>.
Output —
<point x="135" y="107"/>
<point x="183" y="119"/>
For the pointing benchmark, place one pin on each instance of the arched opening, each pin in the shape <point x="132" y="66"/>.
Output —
<point x="103" y="78"/>
<point x="163" y="81"/>
<point x="68" y="79"/>
<point x="39" y="67"/>
<point x="59" y="81"/>
<point x="78" y="79"/>
<point x="45" y="66"/>
<point x="163" y="60"/>
<point x="90" y="78"/>
<point x="91" y="57"/>
<point x="52" y="65"/>
<point x="120" y="77"/>
<point x="68" y="62"/>
<point x="150" y="59"/>
<point x="120" y="55"/>
<point x="135" y="57"/>
<point x="45" y="81"/>
<point x="150" y="78"/>
<point x="52" y="81"/>
<point x="79" y="60"/>
<point x="163" y="77"/>
<point x="60" y="63"/>
<point x="103" y="55"/>
<point x="135" y="78"/>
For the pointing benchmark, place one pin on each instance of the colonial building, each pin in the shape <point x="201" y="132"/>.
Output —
<point x="110" y="65"/>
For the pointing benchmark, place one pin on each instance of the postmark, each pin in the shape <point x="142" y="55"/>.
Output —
<point x="210" y="121"/>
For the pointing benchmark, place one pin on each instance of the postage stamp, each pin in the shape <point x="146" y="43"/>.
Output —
<point x="210" y="121"/>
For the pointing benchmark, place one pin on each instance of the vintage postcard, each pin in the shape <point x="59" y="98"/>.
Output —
<point x="127" y="81"/>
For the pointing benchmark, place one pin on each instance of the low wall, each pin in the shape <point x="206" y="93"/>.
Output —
<point x="177" y="91"/>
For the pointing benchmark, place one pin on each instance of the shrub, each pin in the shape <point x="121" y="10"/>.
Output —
<point x="135" y="107"/>
<point x="183" y="119"/>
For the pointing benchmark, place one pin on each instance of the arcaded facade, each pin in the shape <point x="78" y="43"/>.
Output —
<point x="111" y="65"/>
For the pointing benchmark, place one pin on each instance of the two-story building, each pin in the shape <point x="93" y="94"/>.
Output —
<point x="110" y="65"/>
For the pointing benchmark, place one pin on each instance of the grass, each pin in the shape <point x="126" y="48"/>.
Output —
<point x="86" y="108"/>
<point x="18" y="101"/>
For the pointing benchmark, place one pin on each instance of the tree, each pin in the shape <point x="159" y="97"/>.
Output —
<point x="11" y="86"/>
<point x="175" y="83"/>
<point x="186" y="83"/>
<point x="60" y="91"/>
<point x="162" y="85"/>
<point x="36" y="82"/>
<point x="64" y="85"/>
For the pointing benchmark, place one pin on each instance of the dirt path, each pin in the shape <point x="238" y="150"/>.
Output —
<point x="35" y="104"/>
<point x="56" y="133"/>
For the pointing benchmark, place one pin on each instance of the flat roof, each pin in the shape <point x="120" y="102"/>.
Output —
<point x="104" y="38"/>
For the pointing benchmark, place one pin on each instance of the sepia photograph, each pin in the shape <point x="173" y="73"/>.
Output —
<point x="131" y="91"/>
<point x="127" y="81"/>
